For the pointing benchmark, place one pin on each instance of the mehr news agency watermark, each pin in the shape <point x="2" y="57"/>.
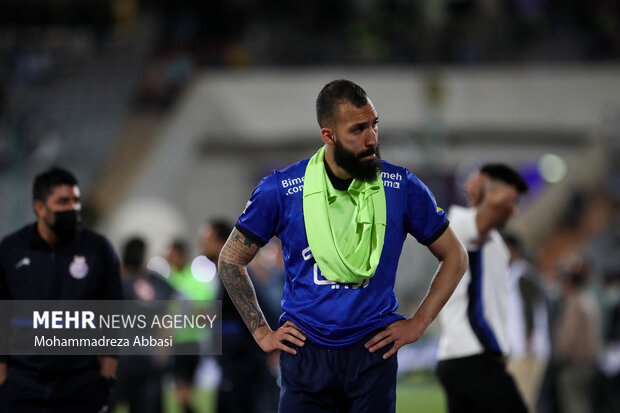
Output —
<point x="110" y="327"/>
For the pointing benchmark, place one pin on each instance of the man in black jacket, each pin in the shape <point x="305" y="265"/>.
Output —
<point x="56" y="259"/>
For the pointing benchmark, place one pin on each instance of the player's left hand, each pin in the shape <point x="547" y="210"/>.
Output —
<point x="400" y="333"/>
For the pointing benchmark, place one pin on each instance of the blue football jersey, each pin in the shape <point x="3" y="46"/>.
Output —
<point x="332" y="314"/>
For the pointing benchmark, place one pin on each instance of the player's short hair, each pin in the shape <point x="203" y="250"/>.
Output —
<point x="133" y="254"/>
<point x="222" y="228"/>
<point x="43" y="183"/>
<point x="505" y="174"/>
<point x="334" y="93"/>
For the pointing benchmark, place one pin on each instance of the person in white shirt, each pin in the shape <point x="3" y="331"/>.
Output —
<point x="474" y="337"/>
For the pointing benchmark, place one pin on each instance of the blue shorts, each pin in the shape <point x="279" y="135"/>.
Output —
<point x="352" y="379"/>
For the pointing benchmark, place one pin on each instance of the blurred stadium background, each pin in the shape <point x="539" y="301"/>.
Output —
<point x="169" y="112"/>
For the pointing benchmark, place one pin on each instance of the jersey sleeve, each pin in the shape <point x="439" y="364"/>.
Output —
<point x="259" y="219"/>
<point x="423" y="218"/>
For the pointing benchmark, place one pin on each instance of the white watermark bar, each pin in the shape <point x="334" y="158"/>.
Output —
<point x="110" y="327"/>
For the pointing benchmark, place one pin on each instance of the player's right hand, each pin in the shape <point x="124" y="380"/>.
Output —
<point x="275" y="340"/>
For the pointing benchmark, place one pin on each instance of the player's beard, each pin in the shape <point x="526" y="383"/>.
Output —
<point x="365" y="171"/>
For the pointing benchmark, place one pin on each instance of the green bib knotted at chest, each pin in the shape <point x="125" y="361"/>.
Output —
<point x="345" y="229"/>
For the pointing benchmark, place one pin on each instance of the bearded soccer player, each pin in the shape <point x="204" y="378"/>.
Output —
<point x="56" y="259"/>
<point x="342" y="216"/>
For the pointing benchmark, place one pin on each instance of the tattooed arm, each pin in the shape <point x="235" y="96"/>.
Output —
<point x="232" y="265"/>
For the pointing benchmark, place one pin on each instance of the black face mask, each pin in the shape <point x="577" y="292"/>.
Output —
<point x="66" y="224"/>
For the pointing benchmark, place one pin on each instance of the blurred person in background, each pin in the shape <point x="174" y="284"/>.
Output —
<point x="342" y="217"/>
<point x="56" y="258"/>
<point x="267" y="268"/>
<point x="140" y="376"/>
<point x="246" y="385"/>
<point x="474" y="337"/>
<point x="190" y="288"/>
<point x="140" y="283"/>
<point x="577" y="338"/>
<point x="528" y="323"/>
<point x="267" y="273"/>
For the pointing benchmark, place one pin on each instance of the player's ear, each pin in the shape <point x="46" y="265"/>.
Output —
<point x="328" y="135"/>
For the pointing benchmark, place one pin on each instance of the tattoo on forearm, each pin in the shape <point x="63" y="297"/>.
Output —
<point x="236" y="254"/>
